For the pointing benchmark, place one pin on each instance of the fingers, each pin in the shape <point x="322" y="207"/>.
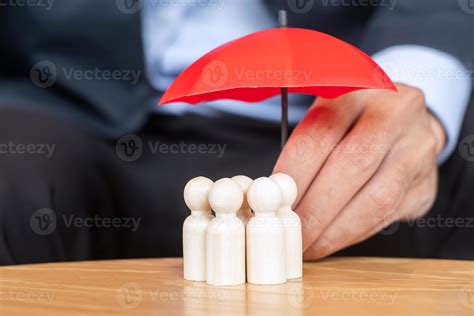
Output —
<point x="401" y="188"/>
<point x="347" y="169"/>
<point x="416" y="203"/>
<point x="354" y="161"/>
<point x="329" y="172"/>
<point x="316" y="135"/>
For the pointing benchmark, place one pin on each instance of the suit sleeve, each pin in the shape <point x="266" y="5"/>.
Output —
<point x="446" y="25"/>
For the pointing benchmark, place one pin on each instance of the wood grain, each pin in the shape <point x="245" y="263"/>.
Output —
<point x="334" y="286"/>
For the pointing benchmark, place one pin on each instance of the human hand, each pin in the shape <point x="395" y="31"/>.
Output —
<point x="361" y="162"/>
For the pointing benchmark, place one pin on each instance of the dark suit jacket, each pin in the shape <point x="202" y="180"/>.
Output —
<point x="90" y="34"/>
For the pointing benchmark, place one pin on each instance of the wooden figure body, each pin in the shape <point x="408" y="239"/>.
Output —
<point x="292" y="224"/>
<point x="196" y="194"/>
<point x="266" y="258"/>
<point x="226" y="235"/>
<point x="244" y="213"/>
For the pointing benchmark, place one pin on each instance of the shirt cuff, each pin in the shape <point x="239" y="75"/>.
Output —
<point x="444" y="81"/>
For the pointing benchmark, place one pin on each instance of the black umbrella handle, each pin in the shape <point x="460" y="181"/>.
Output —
<point x="282" y="19"/>
<point x="284" y="116"/>
<point x="283" y="22"/>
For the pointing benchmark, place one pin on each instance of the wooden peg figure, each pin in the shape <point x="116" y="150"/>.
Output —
<point x="266" y="260"/>
<point x="196" y="197"/>
<point x="226" y="235"/>
<point x="292" y="224"/>
<point x="244" y="214"/>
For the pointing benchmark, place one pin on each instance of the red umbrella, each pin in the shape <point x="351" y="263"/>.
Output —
<point x="266" y="63"/>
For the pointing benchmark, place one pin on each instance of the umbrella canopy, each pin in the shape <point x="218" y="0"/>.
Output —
<point x="256" y="67"/>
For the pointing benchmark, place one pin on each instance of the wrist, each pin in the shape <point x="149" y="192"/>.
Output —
<point x="438" y="131"/>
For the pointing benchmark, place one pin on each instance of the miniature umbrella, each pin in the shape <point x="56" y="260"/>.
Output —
<point x="266" y="63"/>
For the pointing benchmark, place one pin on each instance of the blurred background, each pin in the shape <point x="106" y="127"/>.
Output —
<point x="92" y="168"/>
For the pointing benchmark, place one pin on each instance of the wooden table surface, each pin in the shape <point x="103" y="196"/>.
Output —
<point x="340" y="286"/>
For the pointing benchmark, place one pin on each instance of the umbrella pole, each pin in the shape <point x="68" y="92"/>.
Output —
<point x="283" y="22"/>
<point x="284" y="116"/>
